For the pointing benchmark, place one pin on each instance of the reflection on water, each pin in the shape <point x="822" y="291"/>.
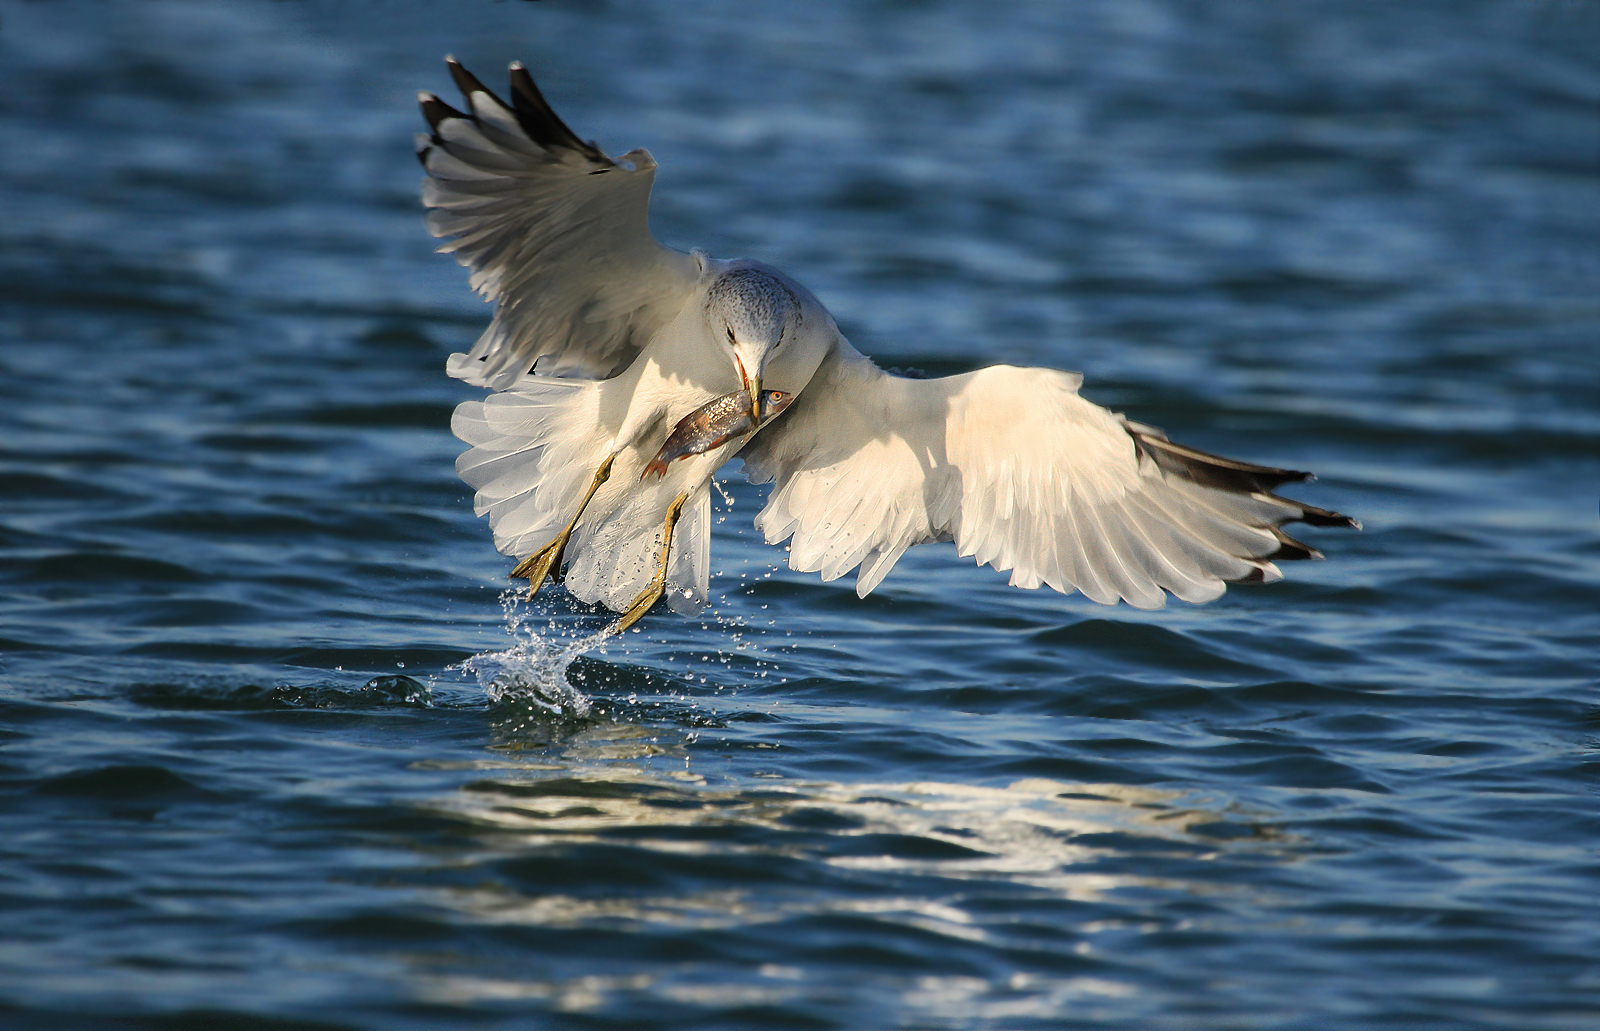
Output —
<point x="1030" y="831"/>
<point x="1038" y="866"/>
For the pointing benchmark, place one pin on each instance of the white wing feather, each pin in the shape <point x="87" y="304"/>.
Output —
<point x="1022" y="474"/>
<point x="555" y="232"/>
<point x="533" y="451"/>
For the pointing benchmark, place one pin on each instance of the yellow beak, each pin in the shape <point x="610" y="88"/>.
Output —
<point x="753" y="388"/>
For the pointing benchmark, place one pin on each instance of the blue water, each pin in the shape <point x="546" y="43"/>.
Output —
<point x="277" y="755"/>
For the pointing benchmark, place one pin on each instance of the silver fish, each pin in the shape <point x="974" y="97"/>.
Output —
<point x="713" y="424"/>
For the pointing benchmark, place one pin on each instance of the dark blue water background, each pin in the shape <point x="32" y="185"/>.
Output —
<point x="247" y="784"/>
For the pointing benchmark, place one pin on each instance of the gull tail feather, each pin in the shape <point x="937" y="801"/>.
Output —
<point x="615" y="557"/>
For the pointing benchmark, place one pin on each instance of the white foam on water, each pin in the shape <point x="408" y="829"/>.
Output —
<point x="532" y="673"/>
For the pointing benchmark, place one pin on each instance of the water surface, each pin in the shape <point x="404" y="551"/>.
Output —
<point x="277" y="755"/>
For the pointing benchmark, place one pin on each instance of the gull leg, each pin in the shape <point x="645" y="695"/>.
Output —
<point x="538" y="566"/>
<point x="658" y="586"/>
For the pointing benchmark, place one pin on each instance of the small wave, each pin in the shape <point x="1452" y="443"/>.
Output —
<point x="38" y="487"/>
<point x="380" y="691"/>
<point x="121" y="782"/>
<point x="100" y="567"/>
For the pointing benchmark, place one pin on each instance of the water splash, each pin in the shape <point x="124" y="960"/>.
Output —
<point x="531" y="675"/>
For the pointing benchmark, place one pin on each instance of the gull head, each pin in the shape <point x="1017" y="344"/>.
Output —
<point x="763" y="321"/>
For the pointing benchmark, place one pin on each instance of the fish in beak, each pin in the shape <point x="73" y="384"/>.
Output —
<point x="713" y="424"/>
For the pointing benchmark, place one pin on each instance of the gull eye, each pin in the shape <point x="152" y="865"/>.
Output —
<point x="730" y="333"/>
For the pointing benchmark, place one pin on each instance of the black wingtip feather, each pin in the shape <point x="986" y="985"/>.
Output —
<point x="1214" y="471"/>
<point x="1314" y="516"/>
<point x="532" y="111"/>
<point x="1228" y="474"/>
<point x="436" y="111"/>
<point x="541" y="122"/>
<point x="466" y="82"/>
<point x="1291" y="550"/>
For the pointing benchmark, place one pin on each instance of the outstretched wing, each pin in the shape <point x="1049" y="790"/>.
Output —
<point x="555" y="232"/>
<point x="1022" y="474"/>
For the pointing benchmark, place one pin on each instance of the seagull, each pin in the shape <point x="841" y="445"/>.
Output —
<point x="603" y="341"/>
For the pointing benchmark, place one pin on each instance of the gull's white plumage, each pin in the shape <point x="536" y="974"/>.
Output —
<point x="1014" y="467"/>
<point x="602" y="339"/>
<point x="536" y="444"/>
<point x="555" y="232"/>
